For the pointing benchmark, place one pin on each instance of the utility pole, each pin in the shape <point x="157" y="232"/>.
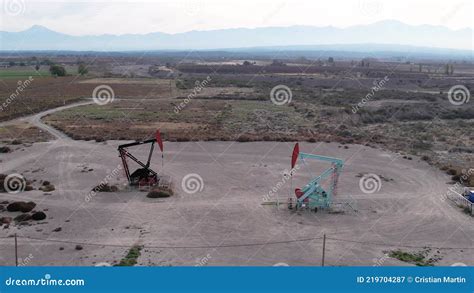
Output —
<point x="324" y="250"/>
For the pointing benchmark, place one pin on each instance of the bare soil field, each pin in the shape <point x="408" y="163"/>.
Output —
<point x="225" y="221"/>
<point x="19" y="133"/>
<point x="48" y="92"/>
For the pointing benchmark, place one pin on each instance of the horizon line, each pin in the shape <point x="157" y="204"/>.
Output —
<point x="242" y="28"/>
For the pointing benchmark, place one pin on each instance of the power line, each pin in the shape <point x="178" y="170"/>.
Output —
<point x="242" y="244"/>
<point x="396" y="245"/>
<point x="168" y="247"/>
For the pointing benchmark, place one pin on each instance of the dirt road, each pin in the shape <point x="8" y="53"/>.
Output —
<point x="36" y="119"/>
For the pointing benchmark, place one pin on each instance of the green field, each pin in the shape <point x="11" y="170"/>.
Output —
<point x="22" y="73"/>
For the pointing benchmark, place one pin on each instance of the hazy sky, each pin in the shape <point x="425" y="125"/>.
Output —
<point x="119" y="17"/>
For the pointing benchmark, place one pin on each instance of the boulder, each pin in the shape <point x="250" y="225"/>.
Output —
<point x="22" y="218"/>
<point x="21" y="206"/>
<point x="38" y="216"/>
<point x="47" y="188"/>
<point x="5" y="220"/>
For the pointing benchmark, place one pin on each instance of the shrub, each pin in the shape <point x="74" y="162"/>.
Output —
<point x="131" y="258"/>
<point x="57" y="70"/>
<point x="105" y="188"/>
<point x="158" y="194"/>
<point x="5" y="149"/>
<point x="244" y="138"/>
<point x="451" y="171"/>
<point x="417" y="258"/>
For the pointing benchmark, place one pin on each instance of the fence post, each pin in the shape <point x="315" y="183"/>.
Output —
<point x="324" y="250"/>
<point x="16" y="251"/>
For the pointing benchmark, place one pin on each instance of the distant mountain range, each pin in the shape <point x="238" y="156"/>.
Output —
<point x="389" y="35"/>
